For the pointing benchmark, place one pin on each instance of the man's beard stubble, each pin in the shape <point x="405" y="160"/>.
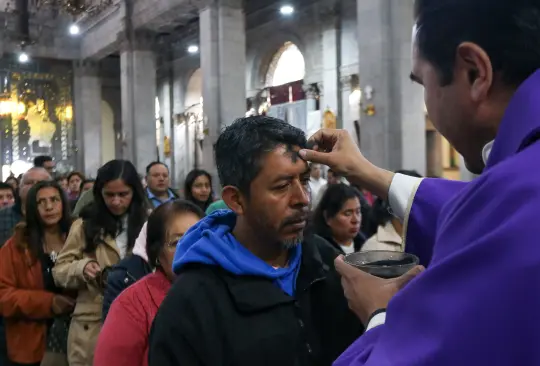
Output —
<point x="293" y="242"/>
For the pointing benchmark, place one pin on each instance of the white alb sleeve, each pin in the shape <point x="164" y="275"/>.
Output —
<point x="401" y="190"/>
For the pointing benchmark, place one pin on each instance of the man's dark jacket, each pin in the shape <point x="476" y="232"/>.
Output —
<point x="211" y="317"/>
<point x="122" y="275"/>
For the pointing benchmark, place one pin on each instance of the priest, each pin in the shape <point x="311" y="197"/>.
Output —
<point x="477" y="302"/>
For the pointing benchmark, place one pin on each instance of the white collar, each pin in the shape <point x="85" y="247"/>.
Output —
<point x="486" y="151"/>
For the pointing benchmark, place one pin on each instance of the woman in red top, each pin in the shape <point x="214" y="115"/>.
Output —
<point x="123" y="340"/>
<point x="29" y="298"/>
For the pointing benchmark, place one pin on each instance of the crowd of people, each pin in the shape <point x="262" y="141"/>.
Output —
<point x="86" y="263"/>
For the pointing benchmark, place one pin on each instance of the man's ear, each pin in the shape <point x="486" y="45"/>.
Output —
<point x="234" y="199"/>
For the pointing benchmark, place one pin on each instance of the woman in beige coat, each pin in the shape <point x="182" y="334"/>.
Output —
<point x="103" y="235"/>
<point x="389" y="230"/>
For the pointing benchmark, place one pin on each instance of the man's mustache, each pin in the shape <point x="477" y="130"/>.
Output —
<point x="303" y="216"/>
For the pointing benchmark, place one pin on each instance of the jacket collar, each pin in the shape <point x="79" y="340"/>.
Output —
<point x="521" y="123"/>
<point x="254" y="294"/>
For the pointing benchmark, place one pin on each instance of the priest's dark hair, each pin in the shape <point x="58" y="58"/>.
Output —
<point x="99" y="221"/>
<point x="158" y="222"/>
<point x="241" y="147"/>
<point x="507" y="30"/>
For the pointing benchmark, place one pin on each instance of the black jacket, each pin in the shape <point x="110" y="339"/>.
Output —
<point x="122" y="275"/>
<point x="358" y="241"/>
<point x="211" y="317"/>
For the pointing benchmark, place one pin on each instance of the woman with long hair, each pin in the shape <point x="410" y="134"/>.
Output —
<point x="29" y="298"/>
<point x="124" y="338"/>
<point x="104" y="234"/>
<point x="338" y="218"/>
<point x="198" y="188"/>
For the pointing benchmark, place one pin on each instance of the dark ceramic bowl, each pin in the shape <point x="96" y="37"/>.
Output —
<point x="382" y="263"/>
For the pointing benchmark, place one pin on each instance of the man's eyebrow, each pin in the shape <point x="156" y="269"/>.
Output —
<point x="415" y="79"/>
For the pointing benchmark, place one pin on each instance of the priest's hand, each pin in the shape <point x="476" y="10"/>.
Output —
<point x="337" y="149"/>
<point x="366" y="293"/>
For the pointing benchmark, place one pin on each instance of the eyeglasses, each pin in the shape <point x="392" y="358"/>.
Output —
<point x="171" y="245"/>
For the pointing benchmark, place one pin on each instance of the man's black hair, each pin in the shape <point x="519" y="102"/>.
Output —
<point x="4" y="186"/>
<point x="154" y="163"/>
<point x="39" y="161"/>
<point x="240" y="148"/>
<point x="507" y="30"/>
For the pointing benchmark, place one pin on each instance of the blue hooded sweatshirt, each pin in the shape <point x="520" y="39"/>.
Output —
<point x="211" y="242"/>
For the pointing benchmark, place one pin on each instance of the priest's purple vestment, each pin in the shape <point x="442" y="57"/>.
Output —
<point x="478" y="303"/>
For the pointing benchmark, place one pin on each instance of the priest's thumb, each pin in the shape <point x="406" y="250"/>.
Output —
<point x="408" y="277"/>
<point x="314" y="156"/>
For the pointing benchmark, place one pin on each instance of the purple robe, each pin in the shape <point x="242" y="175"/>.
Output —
<point x="478" y="303"/>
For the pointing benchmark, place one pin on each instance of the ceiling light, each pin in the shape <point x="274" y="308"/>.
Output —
<point x="286" y="10"/>
<point x="74" y="29"/>
<point x="193" y="49"/>
<point x="23" y="57"/>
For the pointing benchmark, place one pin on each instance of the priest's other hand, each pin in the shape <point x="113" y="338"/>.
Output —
<point x="337" y="149"/>
<point x="366" y="293"/>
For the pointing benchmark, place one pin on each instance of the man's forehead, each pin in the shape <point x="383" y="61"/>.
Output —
<point x="284" y="156"/>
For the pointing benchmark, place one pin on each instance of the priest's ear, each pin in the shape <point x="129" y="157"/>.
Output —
<point x="234" y="199"/>
<point x="476" y="66"/>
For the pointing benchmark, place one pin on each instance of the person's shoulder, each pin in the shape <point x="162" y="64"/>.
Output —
<point x="9" y="246"/>
<point x="77" y="224"/>
<point x="197" y="282"/>
<point x="9" y="212"/>
<point x="132" y="263"/>
<point x="328" y="253"/>
<point x="131" y="300"/>
<point x="128" y="270"/>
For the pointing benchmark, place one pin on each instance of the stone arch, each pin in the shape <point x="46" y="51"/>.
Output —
<point x="287" y="65"/>
<point x="260" y="57"/>
<point x="193" y="94"/>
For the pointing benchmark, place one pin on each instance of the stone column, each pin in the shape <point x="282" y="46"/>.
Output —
<point x="346" y="88"/>
<point x="331" y="63"/>
<point x="138" y="79"/>
<point x="394" y="137"/>
<point x="87" y="105"/>
<point x="311" y="97"/>
<point x="223" y="64"/>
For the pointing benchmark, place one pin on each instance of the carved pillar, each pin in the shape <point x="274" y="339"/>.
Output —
<point x="396" y="105"/>
<point x="138" y="79"/>
<point x="87" y="105"/>
<point x="311" y="97"/>
<point x="223" y="65"/>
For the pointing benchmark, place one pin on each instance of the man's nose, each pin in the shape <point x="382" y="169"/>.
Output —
<point x="301" y="195"/>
